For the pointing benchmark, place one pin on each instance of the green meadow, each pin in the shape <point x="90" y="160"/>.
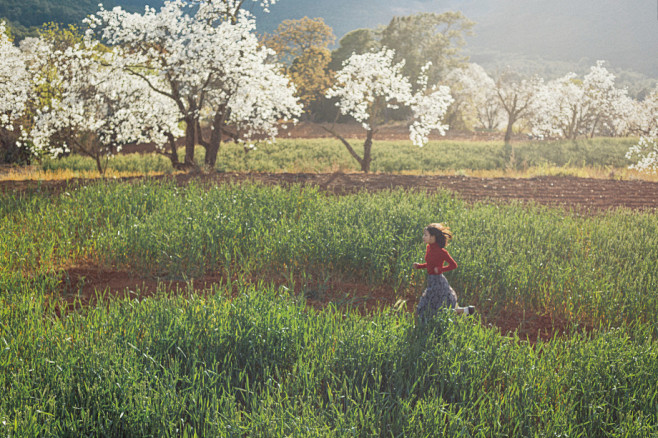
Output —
<point x="248" y="357"/>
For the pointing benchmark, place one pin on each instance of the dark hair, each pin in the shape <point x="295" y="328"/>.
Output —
<point x="440" y="232"/>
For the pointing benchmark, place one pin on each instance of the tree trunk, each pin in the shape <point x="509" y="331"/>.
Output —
<point x="349" y="147"/>
<point x="99" y="166"/>
<point x="367" y="148"/>
<point x="594" y="125"/>
<point x="508" y="132"/>
<point x="190" y="129"/>
<point x="173" y="153"/>
<point x="215" y="137"/>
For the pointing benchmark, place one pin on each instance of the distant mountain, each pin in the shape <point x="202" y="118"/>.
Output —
<point x="36" y="12"/>
<point x="576" y="32"/>
<point x="623" y="33"/>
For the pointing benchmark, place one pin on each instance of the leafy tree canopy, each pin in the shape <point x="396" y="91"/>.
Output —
<point x="294" y="38"/>
<point x="358" y="42"/>
<point x="428" y="37"/>
<point x="416" y="39"/>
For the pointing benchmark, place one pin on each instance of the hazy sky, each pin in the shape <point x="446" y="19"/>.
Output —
<point x="625" y="33"/>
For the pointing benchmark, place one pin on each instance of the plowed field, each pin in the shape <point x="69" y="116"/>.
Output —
<point x="571" y="192"/>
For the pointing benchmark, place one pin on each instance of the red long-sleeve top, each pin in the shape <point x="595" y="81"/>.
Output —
<point x="435" y="258"/>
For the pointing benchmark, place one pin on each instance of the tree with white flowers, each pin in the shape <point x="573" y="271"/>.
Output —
<point x="569" y="107"/>
<point x="429" y="108"/>
<point x="603" y="100"/>
<point x="560" y="112"/>
<point x="210" y="65"/>
<point x="97" y="107"/>
<point x="517" y="97"/>
<point x="475" y="97"/>
<point x="13" y="80"/>
<point x="14" y="89"/>
<point x="642" y="120"/>
<point x="370" y="83"/>
<point x="224" y="10"/>
<point x="644" y="154"/>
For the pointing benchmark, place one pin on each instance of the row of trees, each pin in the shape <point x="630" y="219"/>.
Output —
<point x="194" y="69"/>
<point x="192" y="62"/>
<point x="565" y="108"/>
<point x="198" y="64"/>
<point x="428" y="46"/>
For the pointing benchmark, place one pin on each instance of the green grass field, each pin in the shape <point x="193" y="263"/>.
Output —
<point x="600" y="155"/>
<point x="250" y="359"/>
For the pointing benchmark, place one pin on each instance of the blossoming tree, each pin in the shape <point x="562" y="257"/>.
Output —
<point x="98" y="107"/>
<point x="603" y="99"/>
<point x="210" y="65"/>
<point x="644" y="153"/>
<point x="369" y="83"/>
<point x="14" y="88"/>
<point x="568" y="107"/>
<point x="517" y="97"/>
<point x="224" y="10"/>
<point x="474" y="92"/>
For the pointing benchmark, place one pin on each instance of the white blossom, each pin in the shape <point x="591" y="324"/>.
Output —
<point x="559" y="108"/>
<point x="568" y="107"/>
<point x="475" y="97"/>
<point x="98" y="107"/>
<point x="225" y="9"/>
<point x="645" y="122"/>
<point x="429" y="110"/>
<point x="645" y="154"/>
<point x="642" y="117"/>
<point x="209" y="67"/>
<point x="370" y="82"/>
<point x="14" y="82"/>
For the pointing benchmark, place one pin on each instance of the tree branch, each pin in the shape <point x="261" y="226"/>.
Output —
<point x="151" y="86"/>
<point x="346" y="143"/>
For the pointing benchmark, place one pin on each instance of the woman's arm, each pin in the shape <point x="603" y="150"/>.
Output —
<point x="449" y="260"/>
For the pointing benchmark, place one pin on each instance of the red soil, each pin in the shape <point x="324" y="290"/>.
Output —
<point x="84" y="286"/>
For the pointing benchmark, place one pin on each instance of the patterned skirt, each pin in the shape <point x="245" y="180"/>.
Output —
<point x="438" y="294"/>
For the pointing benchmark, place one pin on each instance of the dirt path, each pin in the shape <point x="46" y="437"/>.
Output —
<point x="81" y="287"/>
<point x="580" y="193"/>
<point x="596" y="194"/>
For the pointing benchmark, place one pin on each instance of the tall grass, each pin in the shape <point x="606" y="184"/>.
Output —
<point x="130" y="163"/>
<point x="250" y="359"/>
<point x="402" y="156"/>
<point x="598" y="269"/>
<point x="262" y="364"/>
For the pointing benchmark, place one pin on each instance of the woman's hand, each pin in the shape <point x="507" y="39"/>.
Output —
<point x="415" y="265"/>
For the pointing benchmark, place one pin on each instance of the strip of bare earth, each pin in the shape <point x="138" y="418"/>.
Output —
<point x="572" y="192"/>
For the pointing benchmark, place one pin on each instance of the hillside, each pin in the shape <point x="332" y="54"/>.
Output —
<point x="625" y="34"/>
<point x="572" y="32"/>
<point x="36" y="12"/>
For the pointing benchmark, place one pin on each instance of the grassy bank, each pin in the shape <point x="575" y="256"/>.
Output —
<point x="599" y="158"/>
